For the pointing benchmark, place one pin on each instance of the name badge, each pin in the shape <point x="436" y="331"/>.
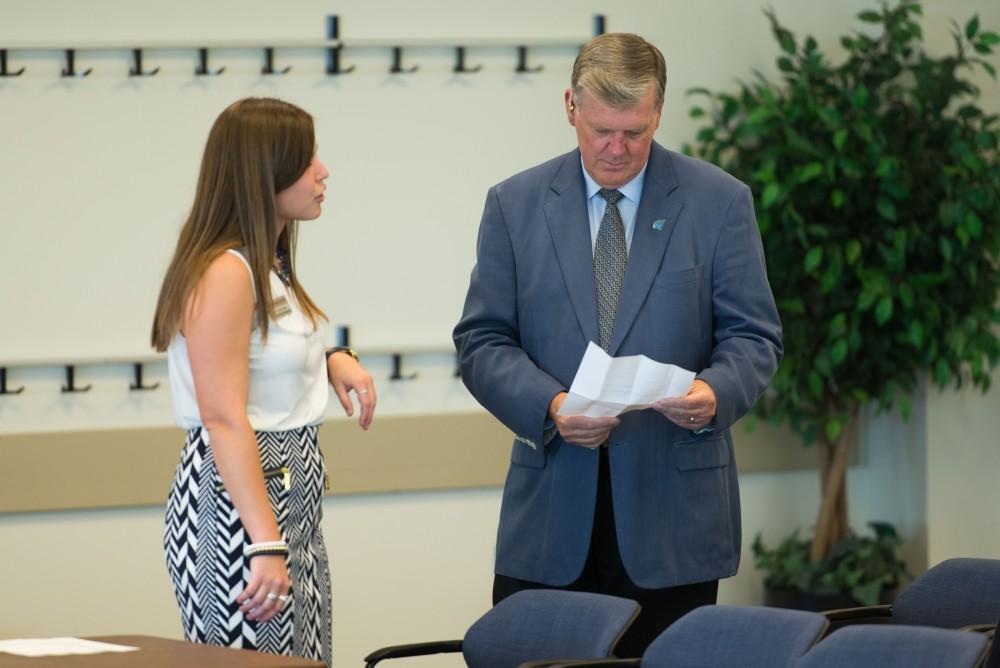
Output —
<point x="281" y="307"/>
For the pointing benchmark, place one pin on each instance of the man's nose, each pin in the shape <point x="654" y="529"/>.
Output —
<point x="617" y="145"/>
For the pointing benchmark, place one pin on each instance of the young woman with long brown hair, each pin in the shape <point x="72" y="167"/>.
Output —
<point x="248" y="376"/>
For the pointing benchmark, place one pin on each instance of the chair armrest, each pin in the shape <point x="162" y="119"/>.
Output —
<point x="986" y="629"/>
<point x="869" y="614"/>
<point x="573" y="663"/>
<point x="414" y="649"/>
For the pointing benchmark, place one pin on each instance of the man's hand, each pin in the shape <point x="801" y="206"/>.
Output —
<point x="692" y="411"/>
<point x="589" y="432"/>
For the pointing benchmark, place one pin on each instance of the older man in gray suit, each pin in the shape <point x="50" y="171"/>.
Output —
<point x="640" y="250"/>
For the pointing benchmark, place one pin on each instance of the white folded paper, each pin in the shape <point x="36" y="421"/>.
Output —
<point x="606" y="386"/>
<point x="59" y="646"/>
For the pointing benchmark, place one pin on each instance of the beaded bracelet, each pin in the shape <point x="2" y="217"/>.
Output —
<point x="267" y="552"/>
<point x="268" y="547"/>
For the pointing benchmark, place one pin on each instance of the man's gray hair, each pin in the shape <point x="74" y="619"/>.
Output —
<point x="618" y="68"/>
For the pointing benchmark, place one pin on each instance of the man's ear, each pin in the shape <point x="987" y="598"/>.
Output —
<point x="570" y="106"/>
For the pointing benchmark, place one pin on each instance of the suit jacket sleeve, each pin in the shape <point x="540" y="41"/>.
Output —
<point x="498" y="372"/>
<point x="747" y="329"/>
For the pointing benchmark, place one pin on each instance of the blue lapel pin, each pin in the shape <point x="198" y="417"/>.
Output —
<point x="658" y="224"/>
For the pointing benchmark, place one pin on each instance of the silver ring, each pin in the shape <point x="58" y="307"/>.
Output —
<point x="284" y="598"/>
<point x="691" y="418"/>
<point x="271" y="596"/>
<point x="362" y="391"/>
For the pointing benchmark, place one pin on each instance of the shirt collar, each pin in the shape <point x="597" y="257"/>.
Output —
<point x="631" y="190"/>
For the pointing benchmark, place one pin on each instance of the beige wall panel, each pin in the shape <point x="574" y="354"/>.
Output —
<point x="133" y="467"/>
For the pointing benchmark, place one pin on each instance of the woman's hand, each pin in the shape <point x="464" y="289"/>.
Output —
<point x="346" y="374"/>
<point x="269" y="583"/>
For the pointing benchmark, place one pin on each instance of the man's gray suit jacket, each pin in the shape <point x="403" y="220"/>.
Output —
<point x="695" y="294"/>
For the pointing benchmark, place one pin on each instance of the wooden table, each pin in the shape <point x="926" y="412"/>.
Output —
<point x="160" y="653"/>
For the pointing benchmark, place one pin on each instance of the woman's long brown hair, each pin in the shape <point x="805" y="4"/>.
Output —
<point x="257" y="147"/>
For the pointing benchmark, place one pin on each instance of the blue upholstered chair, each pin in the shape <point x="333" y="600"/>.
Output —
<point x="724" y="636"/>
<point x="533" y="624"/>
<point x="897" y="646"/>
<point x="954" y="594"/>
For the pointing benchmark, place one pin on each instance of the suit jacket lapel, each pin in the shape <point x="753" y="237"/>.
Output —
<point x="654" y="225"/>
<point x="569" y="225"/>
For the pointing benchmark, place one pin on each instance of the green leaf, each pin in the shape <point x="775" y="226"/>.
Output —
<point x="810" y="172"/>
<point x="833" y="428"/>
<point x="853" y="250"/>
<point x="860" y="98"/>
<point x="867" y="298"/>
<point x="870" y="17"/>
<point x="813" y="258"/>
<point x="942" y="373"/>
<point x="973" y="224"/>
<point x="868" y="593"/>
<point x="972" y="27"/>
<point x="904" y="408"/>
<point x="886" y="208"/>
<point x="787" y="41"/>
<point x="989" y="38"/>
<point x="839" y="139"/>
<point x="770" y="194"/>
<point x="916" y="334"/>
<point x="815" y="384"/>
<point x="883" y="311"/>
<point x="785" y="64"/>
<point x="696" y="112"/>
<point x="758" y="116"/>
<point x="837" y="198"/>
<point x="839" y="352"/>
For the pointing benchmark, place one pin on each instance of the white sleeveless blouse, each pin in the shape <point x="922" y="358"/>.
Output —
<point x="288" y="382"/>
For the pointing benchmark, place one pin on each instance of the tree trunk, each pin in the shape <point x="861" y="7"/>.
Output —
<point x="831" y="523"/>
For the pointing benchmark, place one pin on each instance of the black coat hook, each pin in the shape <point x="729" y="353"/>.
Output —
<point x="397" y="369"/>
<point x="3" y="383"/>
<point x="333" y="53"/>
<point x="599" y="24"/>
<point x="202" y="69"/>
<point x="522" y="62"/>
<point x="460" y="67"/>
<point x="137" y="385"/>
<point x="136" y="70"/>
<point x="269" y="63"/>
<point x="397" y="62"/>
<point x="69" y="387"/>
<point x="344" y="336"/>
<point x="70" y="69"/>
<point x="3" y="68"/>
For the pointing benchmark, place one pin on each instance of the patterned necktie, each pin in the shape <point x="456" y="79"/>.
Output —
<point x="610" y="257"/>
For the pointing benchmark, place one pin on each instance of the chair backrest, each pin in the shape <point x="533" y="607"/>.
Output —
<point x="896" y="646"/>
<point x="955" y="593"/>
<point x="537" y="624"/>
<point x="720" y="636"/>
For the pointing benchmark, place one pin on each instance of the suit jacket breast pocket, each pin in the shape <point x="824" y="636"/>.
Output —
<point x="677" y="278"/>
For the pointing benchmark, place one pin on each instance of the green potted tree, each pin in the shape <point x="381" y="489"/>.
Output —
<point x="877" y="191"/>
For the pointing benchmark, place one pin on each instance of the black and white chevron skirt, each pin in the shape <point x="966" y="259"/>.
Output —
<point x="204" y="541"/>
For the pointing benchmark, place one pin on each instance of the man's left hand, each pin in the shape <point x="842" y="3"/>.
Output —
<point x="693" y="411"/>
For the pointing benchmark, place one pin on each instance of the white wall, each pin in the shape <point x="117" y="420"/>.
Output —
<point x="91" y="193"/>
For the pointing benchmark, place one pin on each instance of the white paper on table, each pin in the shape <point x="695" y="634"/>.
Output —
<point x="606" y="386"/>
<point x="59" y="646"/>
